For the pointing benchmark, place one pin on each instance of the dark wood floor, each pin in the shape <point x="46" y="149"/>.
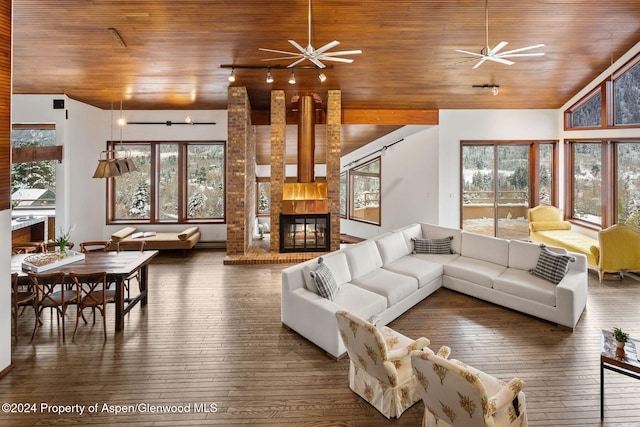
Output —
<point x="212" y="334"/>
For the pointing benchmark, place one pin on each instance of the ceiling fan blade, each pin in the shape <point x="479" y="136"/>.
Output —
<point x="293" y="64"/>
<point x="335" y="59"/>
<point x="282" y="58"/>
<point x="470" y="53"/>
<point x="497" y="48"/>
<point x="500" y="60"/>
<point x="284" y="52"/>
<point x="343" y="52"/>
<point x="509" y="52"/>
<point x="480" y="62"/>
<point x="519" y="54"/>
<point x="316" y="62"/>
<point x="327" y="46"/>
<point x="297" y="46"/>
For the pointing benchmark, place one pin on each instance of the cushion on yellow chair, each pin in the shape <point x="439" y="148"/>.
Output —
<point x="549" y="225"/>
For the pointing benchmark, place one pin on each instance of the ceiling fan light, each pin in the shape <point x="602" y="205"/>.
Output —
<point x="269" y="77"/>
<point x="292" y="78"/>
<point x="322" y="77"/>
<point x="232" y="76"/>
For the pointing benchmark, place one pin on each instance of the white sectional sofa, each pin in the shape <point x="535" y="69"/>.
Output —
<point x="380" y="279"/>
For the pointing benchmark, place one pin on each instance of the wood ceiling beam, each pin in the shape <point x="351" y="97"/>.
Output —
<point x="361" y="117"/>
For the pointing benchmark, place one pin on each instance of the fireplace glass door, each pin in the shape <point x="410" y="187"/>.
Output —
<point x="304" y="233"/>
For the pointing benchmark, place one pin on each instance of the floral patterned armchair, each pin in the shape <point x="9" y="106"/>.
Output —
<point x="380" y="368"/>
<point x="458" y="395"/>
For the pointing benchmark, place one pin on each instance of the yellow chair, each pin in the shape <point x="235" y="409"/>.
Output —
<point x="619" y="250"/>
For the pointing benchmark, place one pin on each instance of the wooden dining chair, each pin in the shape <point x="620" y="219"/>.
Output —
<point x="92" y="293"/>
<point x="95" y="246"/>
<point x="21" y="296"/>
<point x="131" y="245"/>
<point x="27" y="247"/>
<point x="51" y="293"/>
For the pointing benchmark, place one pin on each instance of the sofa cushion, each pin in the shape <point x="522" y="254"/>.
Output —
<point x="432" y="246"/>
<point x="336" y="262"/>
<point x="363" y="258"/>
<point x="474" y="270"/>
<point x="549" y="225"/>
<point x="437" y="258"/>
<point x="409" y="232"/>
<point x="522" y="284"/>
<point x="122" y="234"/>
<point x="431" y="231"/>
<point x="392" y="247"/>
<point x="325" y="282"/>
<point x="393" y="286"/>
<point x="524" y="255"/>
<point x="551" y="266"/>
<point x="485" y="248"/>
<point x="423" y="270"/>
<point x="359" y="301"/>
<point x="187" y="233"/>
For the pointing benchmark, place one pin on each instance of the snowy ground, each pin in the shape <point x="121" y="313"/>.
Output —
<point x="514" y="228"/>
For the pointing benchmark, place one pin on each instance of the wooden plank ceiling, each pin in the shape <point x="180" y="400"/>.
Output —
<point x="174" y="52"/>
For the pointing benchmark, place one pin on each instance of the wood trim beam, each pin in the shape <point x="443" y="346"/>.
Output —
<point x="359" y="117"/>
<point x="36" y="154"/>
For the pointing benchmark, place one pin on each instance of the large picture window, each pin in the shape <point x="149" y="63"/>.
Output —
<point x="174" y="182"/>
<point x="343" y="195"/>
<point x="605" y="182"/>
<point x="365" y="192"/>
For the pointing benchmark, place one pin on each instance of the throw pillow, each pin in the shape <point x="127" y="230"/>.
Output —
<point x="326" y="283"/>
<point x="551" y="266"/>
<point x="432" y="246"/>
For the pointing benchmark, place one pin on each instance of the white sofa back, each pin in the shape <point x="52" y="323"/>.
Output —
<point x="363" y="258"/>
<point x="485" y="248"/>
<point x="524" y="256"/>
<point x="392" y="247"/>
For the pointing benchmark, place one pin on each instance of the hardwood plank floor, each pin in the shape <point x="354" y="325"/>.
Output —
<point x="211" y="334"/>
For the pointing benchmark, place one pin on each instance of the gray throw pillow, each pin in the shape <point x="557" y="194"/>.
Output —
<point x="432" y="246"/>
<point x="551" y="266"/>
<point x="326" y="283"/>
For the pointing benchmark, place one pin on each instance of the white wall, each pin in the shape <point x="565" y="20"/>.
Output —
<point x="5" y="290"/>
<point x="81" y="199"/>
<point x="409" y="187"/>
<point x="489" y="125"/>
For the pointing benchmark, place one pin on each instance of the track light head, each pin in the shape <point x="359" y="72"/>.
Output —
<point x="232" y="76"/>
<point x="292" y="78"/>
<point x="322" y="77"/>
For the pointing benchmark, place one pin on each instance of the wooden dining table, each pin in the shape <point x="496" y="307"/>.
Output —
<point x="117" y="265"/>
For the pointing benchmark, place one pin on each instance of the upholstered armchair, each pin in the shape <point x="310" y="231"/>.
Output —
<point x="619" y="250"/>
<point x="458" y="395"/>
<point x="380" y="366"/>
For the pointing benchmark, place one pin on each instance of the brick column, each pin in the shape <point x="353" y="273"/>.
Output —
<point x="278" y="162"/>
<point x="334" y="122"/>
<point x="239" y="163"/>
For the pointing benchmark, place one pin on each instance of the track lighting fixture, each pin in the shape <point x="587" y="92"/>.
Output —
<point x="494" y="88"/>
<point x="322" y="77"/>
<point x="232" y="76"/>
<point x="269" y="76"/>
<point x="292" y="78"/>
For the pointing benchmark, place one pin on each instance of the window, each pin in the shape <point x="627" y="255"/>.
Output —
<point x="263" y="205"/>
<point x="604" y="183"/>
<point x="587" y="181"/>
<point x="365" y="192"/>
<point x="33" y="184"/>
<point x="626" y="92"/>
<point x="628" y="183"/>
<point x="589" y="112"/>
<point x="497" y="185"/>
<point x="174" y="182"/>
<point x="343" y="195"/>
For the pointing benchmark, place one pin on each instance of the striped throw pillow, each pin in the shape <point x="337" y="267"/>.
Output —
<point x="326" y="283"/>
<point x="432" y="246"/>
<point x="551" y="266"/>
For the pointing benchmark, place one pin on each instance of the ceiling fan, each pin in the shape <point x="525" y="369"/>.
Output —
<point x="311" y="54"/>
<point x="487" y="54"/>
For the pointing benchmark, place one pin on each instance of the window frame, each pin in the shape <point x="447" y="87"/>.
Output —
<point x="350" y="188"/>
<point x="155" y="183"/>
<point x="609" y="173"/>
<point x="262" y="180"/>
<point x="344" y="174"/>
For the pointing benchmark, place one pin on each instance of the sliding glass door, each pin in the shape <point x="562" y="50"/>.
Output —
<point x="495" y="193"/>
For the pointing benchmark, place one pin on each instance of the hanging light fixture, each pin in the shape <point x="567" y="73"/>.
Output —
<point x="269" y="76"/>
<point x="232" y="76"/>
<point x="322" y="77"/>
<point x="292" y="78"/>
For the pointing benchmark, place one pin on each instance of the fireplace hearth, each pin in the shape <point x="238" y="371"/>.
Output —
<point x="304" y="233"/>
